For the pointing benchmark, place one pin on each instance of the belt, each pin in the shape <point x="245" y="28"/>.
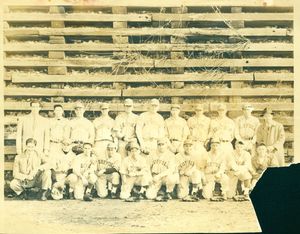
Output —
<point x="103" y="140"/>
<point x="224" y="141"/>
<point x="150" y="139"/>
<point x="174" y="140"/>
<point x="78" y="142"/>
<point x="56" y="141"/>
<point x="248" y="138"/>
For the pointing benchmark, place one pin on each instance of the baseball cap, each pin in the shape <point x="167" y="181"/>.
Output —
<point x="78" y="105"/>
<point x="267" y="110"/>
<point x="247" y="107"/>
<point x="154" y="102"/>
<point x="133" y="145"/>
<point x="222" y="107"/>
<point x="188" y="141"/>
<point x="111" y="145"/>
<point x="104" y="106"/>
<point x="199" y="107"/>
<point x="162" y="140"/>
<point x="175" y="106"/>
<point x="128" y="102"/>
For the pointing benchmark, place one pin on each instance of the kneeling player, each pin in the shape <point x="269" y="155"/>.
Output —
<point x="239" y="170"/>
<point x="134" y="171"/>
<point x="108" y="166"/>
<point x="163" y="169"/>
<point x="83" y="178"/>
<point x="188" y="172"/>
<point x="215" y="172"/>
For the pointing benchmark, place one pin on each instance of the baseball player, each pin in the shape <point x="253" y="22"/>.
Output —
<point x="33" y="126"/>
<point x="83" y="177"/>
<point x="223" y="128"/>
<point x="163" y="169"/>
<point x="246" y="129"/>
<point x="150" y="127"/>
<point x="271" y="133"/>
<point x="177" y="129"/>
<point x="108" y="166"/>
<point x="261" y="161"/>
<point x="80" y="129"/>
<point x="126" y="124"/>
<point x="30" y="171"/>
<point x="188" y="172"/>
<point x="134" y="171"/>
<point x="62" y="166"/>
<point x="58" y="131"/>
<point x="103" y="127"/>
<point x="240" y="168"/>
<point x="199" y="126"/>
<point x="215" y="170"/>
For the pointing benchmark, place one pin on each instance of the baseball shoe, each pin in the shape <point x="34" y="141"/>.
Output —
<point x="87" y="197"/>
<point x="131" y="199"/>
<point x="160" y="199"/>
<point x="188" y="198"/>
<point x="195" y="197"/>
<point x="71" y="196"/>
<point x="113" y="196"/>
<point x="142" y="196"/>
<point x="22" y="196"/>
<point x="44" y="195"/>
<point x="168" y="196"/>
<point x="217" y="199"/>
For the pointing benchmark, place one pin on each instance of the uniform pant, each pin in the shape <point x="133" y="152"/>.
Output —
<point x="227" y="148"/>
<point x="129" y="181"/>
<point x="78" y="184"/>
<point x="211" y="180"/>
<point x="41" y="180"/>
<point x="169" y="180"/>
<point x="100" y="147"/>
<point x="122" y="151"/>
<point x="198" y="147"/>
<point x="184" y="182"/>
<point x="233" y="179"/>
<point x="54" y="149"/>
<point x="249" y="146"/>
<point x="101" y="183"/>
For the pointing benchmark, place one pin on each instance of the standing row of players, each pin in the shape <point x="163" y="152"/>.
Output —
<point x="150" y="130"/>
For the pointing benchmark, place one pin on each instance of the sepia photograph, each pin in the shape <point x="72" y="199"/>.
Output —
<point x="143" y="116"/>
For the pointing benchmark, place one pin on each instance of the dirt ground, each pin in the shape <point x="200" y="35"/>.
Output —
<point x="109" y="216"/>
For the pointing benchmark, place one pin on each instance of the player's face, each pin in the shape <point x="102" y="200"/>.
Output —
<point x="128" y="108"/>
<point x="111" y="151"/>
<point x="239" y="147"/>
<point x="58" y="111"/>
<point x="175" y="112"/>
<point x="247" y="112"/>
<point x="268" y="117"/>
<point x="30" y="147"/>
<point x="104" y="111"/>
<point x="187" y="148"/>
<point x="153" y="108"/>
<point x="87" y="149"/>
<point x="79" y="112"/>
<point x="222" y="112"/>
<point x="35" y="108"/>
<point x="199" y="112"/>
<point x="162" y="147"/>
<point x="66" y="147"/>
<point x="134" y="152"/>
<point x="261" y="150"/>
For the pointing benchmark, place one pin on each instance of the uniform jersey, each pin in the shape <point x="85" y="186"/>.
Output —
<point x="222" y="128"/>
<point x="127" y="123"/>
<point x="83" y="164"/>
<point x="176" y="128"/>
<point x="199" y="127"/>
<point x="25" y="164"/>
<point x="58" y="129"/>
<point x="151" y="126"/>
<point x="103" y="128"/>
<point x="186" y="163"/>
<point x="81" y="129"/>
<point x="215" y="163"/>
<point x="63" y="163"/>
<point x="162" y="162"/>
<point x="262" y="163"/>
<point x="246" y="128"/>
<point x="130" y="165"/>
<point x="106" y="162"/>
<point x="240" y="160"/>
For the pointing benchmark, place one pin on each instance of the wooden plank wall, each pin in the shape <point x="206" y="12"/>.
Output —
<point x="196" y="52"/>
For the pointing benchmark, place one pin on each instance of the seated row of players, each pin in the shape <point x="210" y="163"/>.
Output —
<point x="74" y="176"/>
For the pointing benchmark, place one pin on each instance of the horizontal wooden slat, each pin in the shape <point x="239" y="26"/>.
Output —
<point x="61" y="92"/>
<point x="23" y="106"/>
<point x="223" y="16"/>
<point x="200" y="92"/>
<point x="84" y="31"/>
<point x="103" y="78"/>
<point x="82" y="17"/>
<point x="159" y="3"/>
<point x="8" y="166"/>
<point x="15" y="47"/>
<point x="201" y="62"/>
